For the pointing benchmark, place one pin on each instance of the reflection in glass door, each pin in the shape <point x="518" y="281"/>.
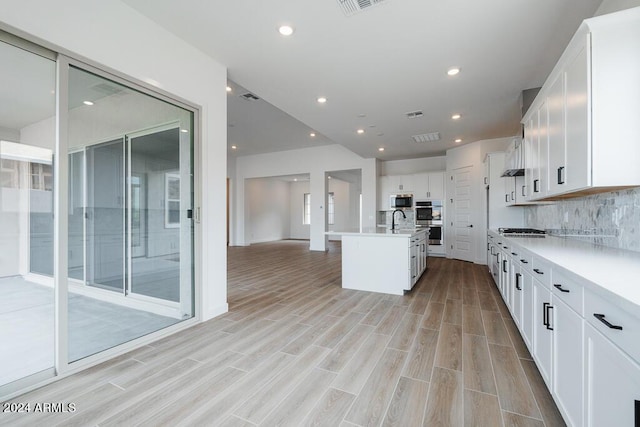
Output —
<point x="130" y="159"/>
<point x="155" y="215"/>
<point x="105" y="215"/>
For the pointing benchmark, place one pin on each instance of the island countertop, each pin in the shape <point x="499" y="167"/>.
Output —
<point x="378" y="231"/>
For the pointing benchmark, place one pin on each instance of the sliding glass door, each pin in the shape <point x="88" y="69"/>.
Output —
<point x="130" y="157"/>
<point x="96" y="204"/>
<point x="27" y="145"/>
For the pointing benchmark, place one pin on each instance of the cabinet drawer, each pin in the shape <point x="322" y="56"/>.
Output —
<point x="568" y="290"/>
<point x="526" y="262"/>
<point x="616" y="324"/>
<point x="541" y="270"/>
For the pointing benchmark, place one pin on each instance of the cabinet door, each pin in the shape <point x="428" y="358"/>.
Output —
<point x="556" y="136"/>
<point x="384" y="191"/>
<point x="516" y="289"/>
<point x="543" y="150"/>
<point x="509" y="190"/>
<point x="420" y="186"/>
<point x="612" y="383"/>
<point x="526" y="319"/>
<point x="520" y="189"/>
<point x="532" y="159"/>
<point x="542" y="330"/>
<point x="577" y="170"/>
<point x="568" y="362"/>
<point x="436" y="185"/>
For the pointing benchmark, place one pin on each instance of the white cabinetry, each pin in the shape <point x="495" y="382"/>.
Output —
<point x="581" y="130"/>
<point x="585" y="343"/>
<point x="568" y="362"/>
<point x="428" y="186"/>
<point x="613" y="383"/>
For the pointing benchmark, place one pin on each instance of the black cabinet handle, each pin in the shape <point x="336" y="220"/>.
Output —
<point x="523" y="195"/>
<point x="601" y="318"/>
<point x="504" y="265"/>
<point x="538" y="271"/>
<point x="545" y="313"/>
<point x="505" y="247"/>
<point x="524" y="261"/>
<point x="560" y="288"/>
<point x="536" y="184"/>
<point x="513" y="195"/>
<point x="548" y="309"/>
<point x="637" y="405"/>
<point x="561" y="175"/>
<point x="506" y="198"/>
<point x="518" y="276"/>
<point x="514" y="254"/>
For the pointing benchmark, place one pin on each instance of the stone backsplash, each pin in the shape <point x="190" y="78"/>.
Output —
<point x="608" y="219"/>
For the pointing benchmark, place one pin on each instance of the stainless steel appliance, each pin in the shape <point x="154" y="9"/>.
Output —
<point x="401" y="201"/>
<point x="429" y="214"/>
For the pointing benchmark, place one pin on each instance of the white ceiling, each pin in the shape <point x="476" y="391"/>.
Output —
<point x="375" y="66"/>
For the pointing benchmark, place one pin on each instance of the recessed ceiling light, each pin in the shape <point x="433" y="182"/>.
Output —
<point x="312" y="135"/>
<point x="329" y="177"/>
<point x="458" y="140"/>
<point x="295" y="179"/>
<point x="453" y="71"/>
<point x="285" y="30"/>
<point x="88" y="103"/>
<point x="229" y="89"/>
<point x="321" y="100"/>
<point x="455" y="116"/>
<point x="233" y="147"/>
<point x="184" y="130"/>
<point x="360" y="131"/>
<point x="381" y="149"/>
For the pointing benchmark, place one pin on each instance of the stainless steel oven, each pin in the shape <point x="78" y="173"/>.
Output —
<point x="435" y="234"/>
<point x="428" y="212"/>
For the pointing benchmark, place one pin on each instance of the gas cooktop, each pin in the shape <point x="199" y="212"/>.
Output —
<point x="521" y="232"/>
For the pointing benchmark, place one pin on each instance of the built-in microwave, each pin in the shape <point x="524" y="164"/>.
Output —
<point x="401" y="201"/>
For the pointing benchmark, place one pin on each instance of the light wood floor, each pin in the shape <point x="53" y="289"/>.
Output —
<point x="296" y="349"/>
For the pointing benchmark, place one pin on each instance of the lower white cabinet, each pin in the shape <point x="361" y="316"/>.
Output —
<point x="568" y="362"/>
<point x="542" y="330"/>
<point x="612" y="383"/>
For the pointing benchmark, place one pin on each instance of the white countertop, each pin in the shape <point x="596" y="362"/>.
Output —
<point x="378" y="231"/>
<point x="614" y="270"/>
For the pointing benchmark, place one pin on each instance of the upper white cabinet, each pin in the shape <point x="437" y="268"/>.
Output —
<point x="428" y="185"/>
<point x="582" y="129"/>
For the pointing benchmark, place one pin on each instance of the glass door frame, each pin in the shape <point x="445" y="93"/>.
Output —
<point x="61" y="180"/>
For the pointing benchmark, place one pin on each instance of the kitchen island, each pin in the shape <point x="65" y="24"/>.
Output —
<point x="383" y="260"/>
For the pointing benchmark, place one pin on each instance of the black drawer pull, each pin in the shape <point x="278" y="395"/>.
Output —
<point x="506" y="247"/>
<point x="538" y="271"/>
<point x="601" y="318"/>
<point x="518" y="276"/>
<point x="524" y="261"/>
<point x="559" y="287"/>
<point x="514" y="254"/>
<point x="504" y="265"/>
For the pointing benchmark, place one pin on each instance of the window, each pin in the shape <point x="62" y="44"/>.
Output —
<point x="172" y="201"/>
<point x="330" y="209"/>
<point x="10" y="174"/>
<point x="306" y="210"/>
<point x="41" y="177"/>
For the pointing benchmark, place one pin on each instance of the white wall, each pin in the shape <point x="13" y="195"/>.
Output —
<point x="298" y="230"/>
<point x="403" y="167"/>
<point x="268" y="206"/>
<point x="85" y="28"/>
<point x="315" y="161"/>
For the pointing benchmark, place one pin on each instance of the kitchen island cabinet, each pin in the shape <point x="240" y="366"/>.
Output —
<point x="382" y="260"/>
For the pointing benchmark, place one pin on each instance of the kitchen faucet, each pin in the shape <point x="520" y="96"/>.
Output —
<point x="393" y="218"/>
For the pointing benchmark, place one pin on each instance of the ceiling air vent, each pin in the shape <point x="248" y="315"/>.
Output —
<point x="249" y="96"/>
<point x="427" y="137"/>
<point x="351" y="7"/>
<point x="414" y="114"/>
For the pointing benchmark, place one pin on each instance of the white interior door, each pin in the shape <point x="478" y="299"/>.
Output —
<point x="461" y="215"/>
